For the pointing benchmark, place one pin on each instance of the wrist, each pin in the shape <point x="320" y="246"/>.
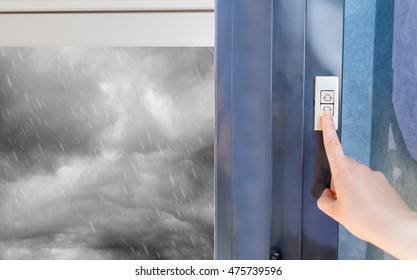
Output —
<point x="398" y="235"/>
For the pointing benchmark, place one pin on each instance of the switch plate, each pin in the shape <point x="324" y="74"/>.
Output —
<point x="326" y="96"/>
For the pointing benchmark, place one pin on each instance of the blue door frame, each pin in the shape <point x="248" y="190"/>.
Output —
<point x="270" y="164"/>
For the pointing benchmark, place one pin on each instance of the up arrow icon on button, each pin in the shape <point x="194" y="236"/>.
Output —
<point x="326" y="97"/>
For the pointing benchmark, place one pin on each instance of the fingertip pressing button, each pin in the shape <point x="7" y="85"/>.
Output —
<point x="326" y="107"/>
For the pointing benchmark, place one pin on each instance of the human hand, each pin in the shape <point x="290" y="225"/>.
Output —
<point x="364" y="202"/>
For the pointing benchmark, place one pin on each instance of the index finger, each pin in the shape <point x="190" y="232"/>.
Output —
<point x="334" y="150"/>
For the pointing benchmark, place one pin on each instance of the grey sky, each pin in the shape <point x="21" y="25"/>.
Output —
<point x="106" y="153"/>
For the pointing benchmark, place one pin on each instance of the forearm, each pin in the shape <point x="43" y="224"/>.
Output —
<point x="398" y="236"/>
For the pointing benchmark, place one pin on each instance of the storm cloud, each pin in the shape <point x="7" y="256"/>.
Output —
<point x="106" y="153"/>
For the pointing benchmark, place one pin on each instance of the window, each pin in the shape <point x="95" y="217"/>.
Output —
<point x="107" y="116"/>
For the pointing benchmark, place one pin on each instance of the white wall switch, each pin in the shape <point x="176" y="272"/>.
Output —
<point x="326" y="98"/>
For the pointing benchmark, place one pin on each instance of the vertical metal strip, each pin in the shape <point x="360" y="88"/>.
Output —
<point x="224" y="146"/>
<point x="288" y="117"/>
<point x="251" y="91"/>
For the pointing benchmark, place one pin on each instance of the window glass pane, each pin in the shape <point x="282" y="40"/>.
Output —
<point x="106" y="153"/>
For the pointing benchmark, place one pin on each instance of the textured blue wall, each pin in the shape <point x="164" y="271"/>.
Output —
<point x="405" y="71"/>
<point x="357" y="78"/>
<point x="379" y="99"/>
<point x="382" y="109"/>
<point x="358" y="60"/>
<point x="394" y="139"/>
<point x="404" y="96"/>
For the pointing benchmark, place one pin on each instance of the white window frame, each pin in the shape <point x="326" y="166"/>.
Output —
<point x="107" y="23"/>
<point x="104" y="5"/>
